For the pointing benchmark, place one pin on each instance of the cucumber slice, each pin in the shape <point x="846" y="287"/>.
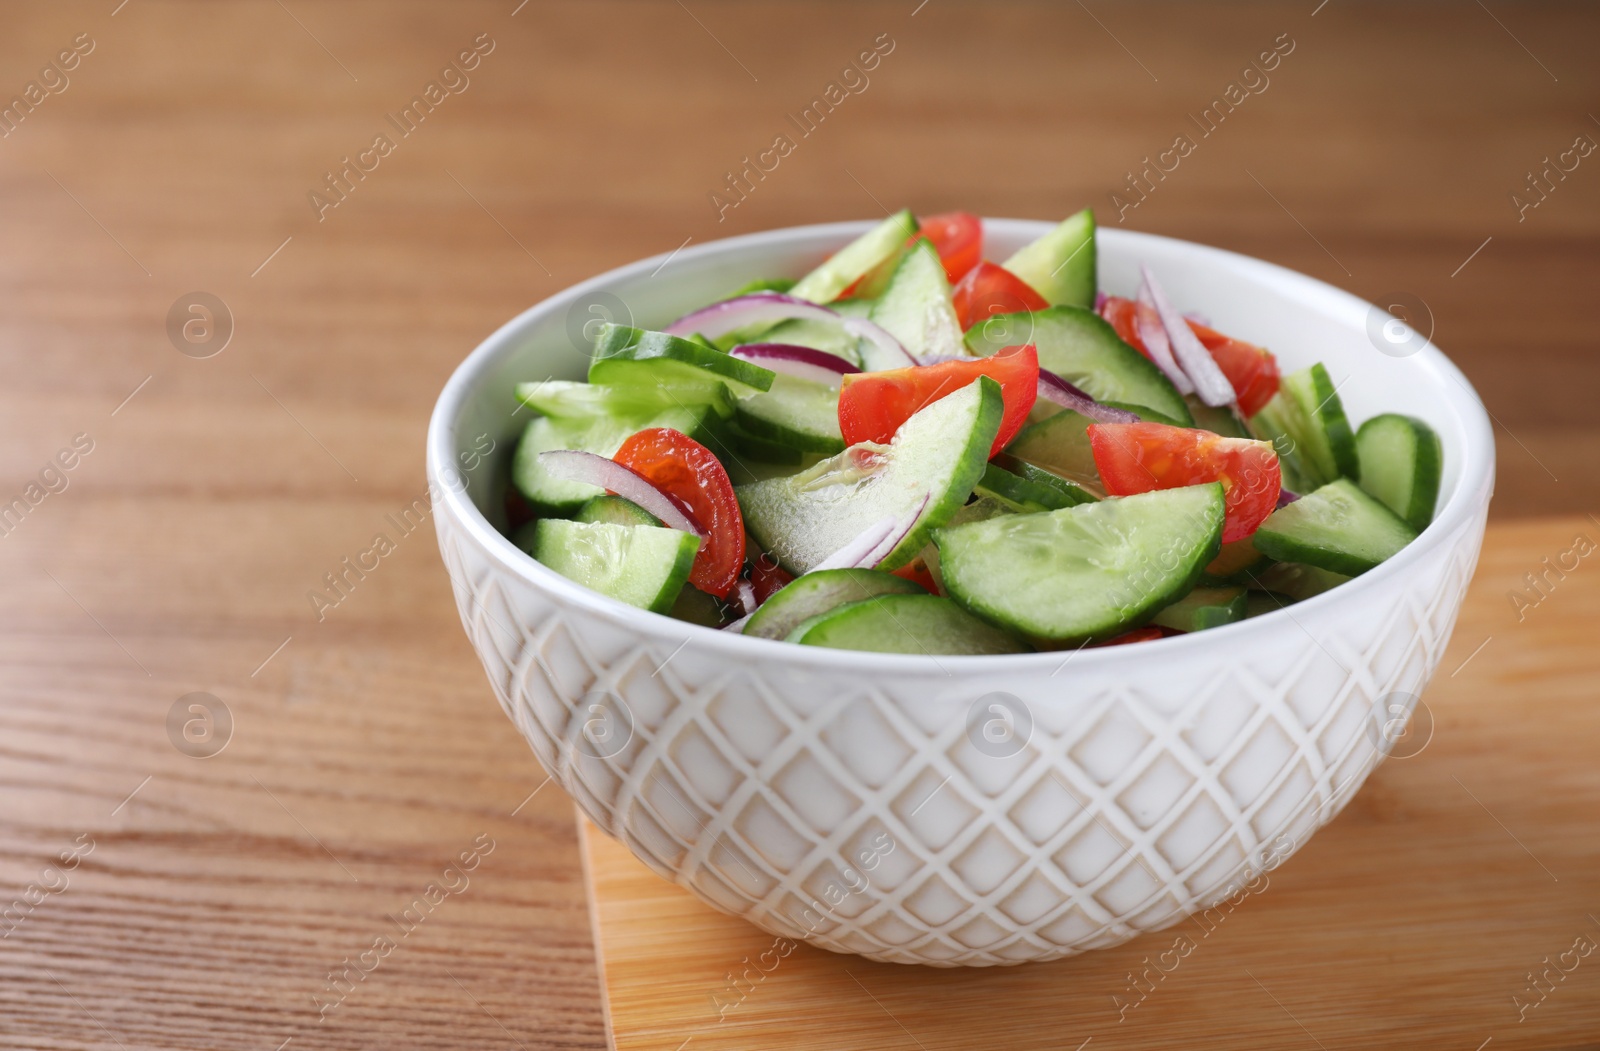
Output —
<point x="924" y="624"/>
<point x="1060" y="266"/>
<point x="1400" y="462"/>
<point x="1086" y="572"/>
<point x="696" y="607"/>
<point x="841" y="269"/>
<point x="1294" y="580"/>
<point x="1338" y="528"/>
<point x="823" y="335"/>
<point x="1234" y="564"/>
<point x="1203" y="608"/>
<point x="673" y="369"/>
<point x="796" y="413"/>
<point x="1258" y="603"/>
<point x="817" y="593"/>
<point x="644" y="566"/>
<point x="733" y="445"/>
<point x="576" y="400"/>
<point x="602" y="435"/>
<point x="616" y="510"/>
<point x="927" y="471"/>
<point x="1308" y="413"/>
<point x="765" y="284"/>
<point x="1059" y="445"/>
<point x="1082" y="348"/>
<point x="917" y="310"/>
<point x="1072" y="493"/>
<point x="1221" y="419"/>
<point x="1022" y="494"/>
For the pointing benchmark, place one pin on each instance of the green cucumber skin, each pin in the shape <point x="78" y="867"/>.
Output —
<point x="1001" y="569"/>
<point x="1308" y="411"/>
<point x="1338" y="528"/>
<point x="820" y="592"/>
<point x="841" y="269"/>
<point x="576" y="400"/>
<point x="797" y="413"/>
<point x="772" y="507"/>
<point x="1401" y="461"/>
<point x="914" y="624"/>
<point x="1059" y="444"/>
<point x="644" y="566"/>
<point x="1203" y="608"/>
<point x="1069" y="492"/>
<point x="1295" y="580"/>
<point x="616" y="510"/>
<point x="917" y="310"/>
<point x="1082" y="348"/>
<point x="696" y="607"/>
<point x="635" y="357"/>
<point x="602" y="436"/>
<point x="1218" y="420"/>
<point x="1021" y="494"/>
<point x="1061" y="266"/>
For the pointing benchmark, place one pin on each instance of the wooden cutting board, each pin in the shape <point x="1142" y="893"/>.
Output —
<point x="1426" y="915"/>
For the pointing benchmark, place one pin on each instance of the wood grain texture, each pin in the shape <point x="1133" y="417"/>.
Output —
<point x="1412" y="920"/>
<point x="366" y="754"/>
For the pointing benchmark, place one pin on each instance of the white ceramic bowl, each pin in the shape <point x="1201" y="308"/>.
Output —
<point x="958" y="810"/>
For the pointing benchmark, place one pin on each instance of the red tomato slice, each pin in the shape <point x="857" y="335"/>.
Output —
<point x="767" y="578"/>
<point x="1252" y="370"/>
<point x="958" y="236"/>
<point x="873" y="405"/>
<point x="1141" y="457"/>
<point x="988" y="290"/>
<point x="689" y="473"/>
<point x="917" y="572"/>
<point x="1146" y="634"/>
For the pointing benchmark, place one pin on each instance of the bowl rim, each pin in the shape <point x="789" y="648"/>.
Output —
<point x="1474" y="484"/>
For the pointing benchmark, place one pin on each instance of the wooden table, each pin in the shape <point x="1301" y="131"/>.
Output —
<point x="179" y="901"/>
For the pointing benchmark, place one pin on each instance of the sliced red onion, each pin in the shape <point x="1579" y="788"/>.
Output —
<point x="757" y="308"/>
<point x="624" y="481"/>
<point x="861" y="328"/>
<point x="805" y="363"/>
<point x="1053" y="388"/>
<point x="1100" y="301"/>
<point x="1197" y="317"/>
<point x="737" y="627"/>
<point x="1209" y="382"/>
<point x="746" y="593"/>
<point x="853" y="555"/>
<point x="1153" y="334"/>
<point x="1286" y="497"/>
<point x="901" y="530"/>
<point x="769" y="308"/>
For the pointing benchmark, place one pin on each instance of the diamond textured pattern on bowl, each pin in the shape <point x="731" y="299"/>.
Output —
<point x="856" y="813"/>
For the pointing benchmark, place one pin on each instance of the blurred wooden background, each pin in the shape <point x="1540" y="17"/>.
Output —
<point x="175" y="152"/>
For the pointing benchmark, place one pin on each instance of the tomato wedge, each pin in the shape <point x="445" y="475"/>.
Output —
<point x="1140" y="457"/>
<point x="1252" y="370"/>
<point x="917" y="572"/>
<point x="873" y="405"/>
<point x="691" y="474"/>
<point x="958" y="237"/>
<point x="989" y="289"/>
<point x="1145" y="634"/>
<point x="767" y="578"/>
